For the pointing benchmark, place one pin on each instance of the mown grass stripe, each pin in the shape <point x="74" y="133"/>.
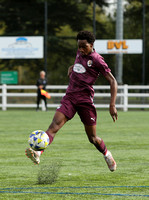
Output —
<point x="74" y="187"/>
<point x="76" y="193"/>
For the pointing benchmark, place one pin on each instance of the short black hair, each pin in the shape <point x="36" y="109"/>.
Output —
<point x="86" y="35"/>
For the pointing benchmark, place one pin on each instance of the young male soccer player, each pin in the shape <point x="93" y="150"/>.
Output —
<point x="79" y="97"/>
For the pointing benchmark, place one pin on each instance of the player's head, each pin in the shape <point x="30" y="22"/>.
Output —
<point x="85" y="41"/>
<point x="42" y="74"/>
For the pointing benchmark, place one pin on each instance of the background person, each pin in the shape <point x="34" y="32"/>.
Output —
<point x="41" y="84"/>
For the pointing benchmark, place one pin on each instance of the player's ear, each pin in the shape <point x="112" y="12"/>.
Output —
<point x="91" y="45"/>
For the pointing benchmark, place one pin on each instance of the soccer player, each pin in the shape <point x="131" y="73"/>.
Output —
<point x="87" y="67"/>
<point x="41" y="84"/>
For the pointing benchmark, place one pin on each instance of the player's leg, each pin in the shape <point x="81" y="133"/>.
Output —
<point x="65" y="112"/>
<point x="45" y="101"/>
<point x="58" y="121"/>
<point x="94" y="139"/>
<point x="99" y="144"/>
<point x="88" y="115"/>
<point x="38" y="101"/>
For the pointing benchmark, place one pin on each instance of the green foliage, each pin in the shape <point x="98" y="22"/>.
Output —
<point x="133" y="30"/>
<point x="22" y="17"/>
<point x="65" y="19"/>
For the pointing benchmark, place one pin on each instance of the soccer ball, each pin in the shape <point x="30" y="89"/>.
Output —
<point x="38" y="140"/>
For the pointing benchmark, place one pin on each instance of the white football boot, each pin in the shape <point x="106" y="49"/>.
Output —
<point x="33" y="155"/>
<point x="110" y="161"/>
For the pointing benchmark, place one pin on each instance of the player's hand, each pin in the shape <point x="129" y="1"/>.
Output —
<point x="70" y="70"/>
<point x="113" y="112"/>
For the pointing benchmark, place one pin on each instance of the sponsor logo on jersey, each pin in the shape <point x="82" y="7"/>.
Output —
<point x="79" y="68"/>
<point x="89" y="63"/>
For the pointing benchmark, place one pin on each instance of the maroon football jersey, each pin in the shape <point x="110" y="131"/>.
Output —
<point x="85" y="71"/>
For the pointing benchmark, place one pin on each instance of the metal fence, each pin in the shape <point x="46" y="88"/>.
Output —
<point x="128" y="96"/>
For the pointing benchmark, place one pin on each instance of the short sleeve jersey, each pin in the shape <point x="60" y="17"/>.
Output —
<point x="85" y="71"/>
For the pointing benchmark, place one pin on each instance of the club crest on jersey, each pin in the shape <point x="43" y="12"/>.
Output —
<point x="79" y="68"/>
<point x="89" y="63"/>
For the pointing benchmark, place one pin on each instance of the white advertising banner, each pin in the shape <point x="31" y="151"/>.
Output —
<point x="24" y="47"/>
<point x="118" y="46"/>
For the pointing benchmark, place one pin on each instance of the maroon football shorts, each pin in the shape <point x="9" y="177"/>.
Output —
<point x="82" y="103"/>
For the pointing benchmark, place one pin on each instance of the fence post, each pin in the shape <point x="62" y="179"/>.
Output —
<point x="125" y="98"/>
<point x="4" y="97"/>
<point x="42" y="106"/>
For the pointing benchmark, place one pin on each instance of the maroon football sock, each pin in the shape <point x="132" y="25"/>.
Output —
<point x="50" y="137"/>
<point x="102" y="148"/>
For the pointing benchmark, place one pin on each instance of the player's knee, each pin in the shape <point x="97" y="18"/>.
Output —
<point x="92" y="139"/>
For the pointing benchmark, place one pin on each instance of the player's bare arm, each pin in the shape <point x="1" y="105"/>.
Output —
<point x="113" y="87"/>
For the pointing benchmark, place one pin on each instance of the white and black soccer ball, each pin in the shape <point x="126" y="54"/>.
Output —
<point x="38" y="140"/>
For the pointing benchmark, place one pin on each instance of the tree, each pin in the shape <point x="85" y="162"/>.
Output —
<point x="65" y="19"/>
<point x="133" y="30"/>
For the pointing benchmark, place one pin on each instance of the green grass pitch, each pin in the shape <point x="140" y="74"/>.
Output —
<point x="81" y="169"/>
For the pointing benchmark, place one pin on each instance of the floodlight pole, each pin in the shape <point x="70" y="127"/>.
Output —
<point x="94" y="17"/>
<point x="119" y="36"/>
<point x="45" y="34"/>
<point x="143" y="37"/>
